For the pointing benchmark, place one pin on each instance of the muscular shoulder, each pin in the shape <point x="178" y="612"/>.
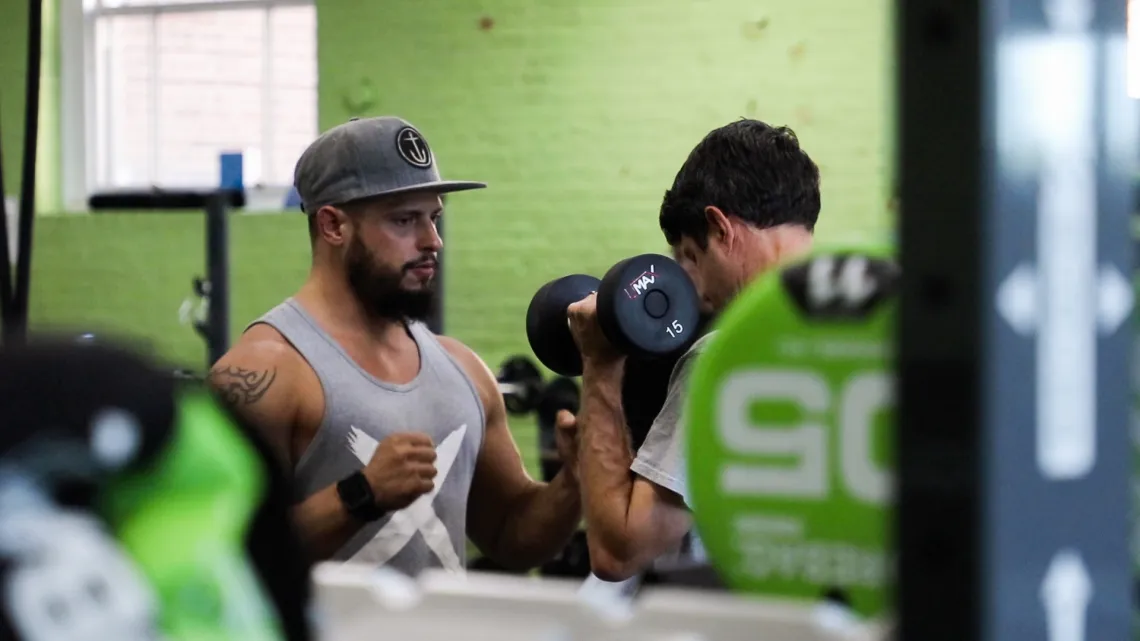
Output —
<point x="471" y="363"/>
<point x="481" y="375"/>
<point x="259" y="365"/>
<point x="263" y="380"/>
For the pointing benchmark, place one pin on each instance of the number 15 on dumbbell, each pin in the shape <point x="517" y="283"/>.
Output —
<point x="647" y="308"/>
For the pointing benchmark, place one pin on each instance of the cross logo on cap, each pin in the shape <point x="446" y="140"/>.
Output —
<point x="413" y="148"/>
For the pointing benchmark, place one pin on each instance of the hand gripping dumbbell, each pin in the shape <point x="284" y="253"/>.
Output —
<point x="647" y="308"/>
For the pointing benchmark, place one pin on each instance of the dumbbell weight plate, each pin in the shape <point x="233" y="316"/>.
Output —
<point x="648" y="307"/>
<point x="547" y="327"/>
<point x="800" y="509"/>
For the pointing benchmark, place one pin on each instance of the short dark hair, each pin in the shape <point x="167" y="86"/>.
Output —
<point x="749" y="169"/>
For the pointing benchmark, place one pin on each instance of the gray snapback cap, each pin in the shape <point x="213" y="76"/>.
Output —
<point x="368" y="157"/>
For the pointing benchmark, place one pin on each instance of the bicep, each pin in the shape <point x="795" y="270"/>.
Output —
<point x="658" y="517"/>
<point x="656" y="524"/>
<point x="500" y="479"/>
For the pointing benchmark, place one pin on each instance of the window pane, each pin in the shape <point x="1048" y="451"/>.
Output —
<point x="176" y="89"/>
<point x="293" y="87"/>
<point x="115" y="4"/>
<point x="125" y="89"/>
<point x="210" y="78"/>
<point x="1133" y="49"/>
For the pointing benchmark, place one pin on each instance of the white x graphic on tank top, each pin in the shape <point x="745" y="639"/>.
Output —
<point x="420" y="515"/>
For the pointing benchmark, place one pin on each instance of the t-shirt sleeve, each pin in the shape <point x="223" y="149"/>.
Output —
<point x="661" y="458"/>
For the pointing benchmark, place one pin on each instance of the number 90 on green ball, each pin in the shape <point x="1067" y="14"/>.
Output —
<point x="788" y="423"/>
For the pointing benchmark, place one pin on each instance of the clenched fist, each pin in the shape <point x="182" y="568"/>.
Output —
<point x="401" y="469"/>
<point x="566" y="440"/>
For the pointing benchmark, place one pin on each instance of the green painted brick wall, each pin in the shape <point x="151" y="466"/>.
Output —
<point x="579" y="114"/>
<point x="576" y="114"/>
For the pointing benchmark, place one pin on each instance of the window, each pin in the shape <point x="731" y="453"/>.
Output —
<point x="169" y="85"/>
<point x="1134" y="48"/>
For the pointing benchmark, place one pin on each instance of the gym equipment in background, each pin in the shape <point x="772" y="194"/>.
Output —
<point x="524" y="391"/>
<point x="211" y="294"/>
<point x="190" y="494"/>
<point x="789" y="433"/>
<point x="63" y="576"/>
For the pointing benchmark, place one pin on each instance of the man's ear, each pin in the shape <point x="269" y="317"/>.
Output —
<point x="720" y="227"/>
<point x="332" y="225"/>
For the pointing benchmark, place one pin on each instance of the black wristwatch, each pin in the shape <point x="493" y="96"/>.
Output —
<point x="357" y="496"/>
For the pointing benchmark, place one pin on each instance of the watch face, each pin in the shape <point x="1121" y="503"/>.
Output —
<point x="354" y="491"/>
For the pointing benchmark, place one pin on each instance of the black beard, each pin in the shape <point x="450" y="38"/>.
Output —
<point x="379" y="290"/>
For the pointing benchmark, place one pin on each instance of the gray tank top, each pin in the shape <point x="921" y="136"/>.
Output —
<point x="360" y="411"/>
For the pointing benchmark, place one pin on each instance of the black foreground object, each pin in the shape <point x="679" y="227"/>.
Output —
<point x="647" y="307"/>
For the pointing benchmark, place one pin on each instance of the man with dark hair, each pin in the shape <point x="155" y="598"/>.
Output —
<point x="395" y="439"/>
<point x="746" y="200"/>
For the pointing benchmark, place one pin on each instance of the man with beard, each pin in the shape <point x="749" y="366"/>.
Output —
<point x="395" y="438"/>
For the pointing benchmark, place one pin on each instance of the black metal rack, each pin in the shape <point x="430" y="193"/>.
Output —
<point x="214" y="288"/>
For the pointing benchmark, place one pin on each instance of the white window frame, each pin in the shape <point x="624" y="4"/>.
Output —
<point x="78" y="97"/>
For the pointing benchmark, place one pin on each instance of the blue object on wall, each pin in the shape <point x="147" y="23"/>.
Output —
<point x="232" y="178"/>
<point x="292" y="199"/>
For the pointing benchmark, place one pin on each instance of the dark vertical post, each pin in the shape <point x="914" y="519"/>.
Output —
<point x="16" y="325"/>
<point x="218" y="276"/>
<point x="7" y="300"/>
<point x="1016" y="141"/>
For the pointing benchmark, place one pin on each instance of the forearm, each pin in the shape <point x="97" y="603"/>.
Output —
<point x="323" y="523"/>
<point x="604" y="458"/>
<point x="540" y="523"/>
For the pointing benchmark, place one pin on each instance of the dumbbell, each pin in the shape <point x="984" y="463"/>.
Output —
<point x="521" y="384"/>
<point x="647" y="308"/>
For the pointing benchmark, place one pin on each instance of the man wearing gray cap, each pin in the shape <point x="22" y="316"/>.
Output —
<point x="395" y="439"/>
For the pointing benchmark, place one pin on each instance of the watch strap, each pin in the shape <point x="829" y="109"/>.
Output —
<point x="358" y="498"/>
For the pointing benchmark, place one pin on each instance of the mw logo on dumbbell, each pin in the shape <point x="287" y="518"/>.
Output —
<point x="641" y="284"/>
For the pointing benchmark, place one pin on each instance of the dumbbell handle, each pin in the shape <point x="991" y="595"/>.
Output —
<point x="510" y="388"/>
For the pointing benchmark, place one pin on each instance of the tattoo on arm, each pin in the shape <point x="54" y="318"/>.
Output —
<point x="240" y="386"/>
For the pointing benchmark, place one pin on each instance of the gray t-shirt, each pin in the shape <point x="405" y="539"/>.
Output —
<point x="661" y="458"/>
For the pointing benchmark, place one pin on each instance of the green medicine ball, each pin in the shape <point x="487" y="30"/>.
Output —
<point x="788" y="427"/>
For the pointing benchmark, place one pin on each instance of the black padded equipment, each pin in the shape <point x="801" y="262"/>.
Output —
<point x="50" y="391"/>
<point x="561" y="393"/>
<point x="520" y="383"/>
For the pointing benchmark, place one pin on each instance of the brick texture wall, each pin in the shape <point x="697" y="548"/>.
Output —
<point x="579" y="114"/>
<point x="576" y="114"/>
